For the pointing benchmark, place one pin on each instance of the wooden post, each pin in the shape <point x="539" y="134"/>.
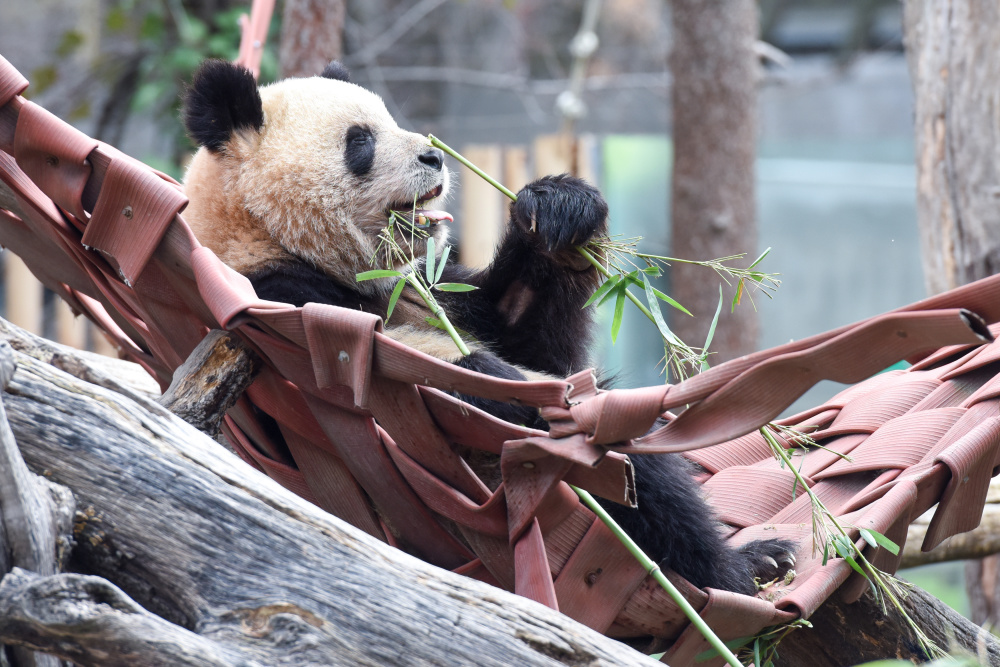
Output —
<point x="515" y="167"/>
<point x="24" y="294"/>
<point x="100" y="344"/>
<point x="587" y="165"/>
<point x="554" y="154"/>
<point x="566" y="154"/>
<point x="482" y="207"/>
<point x="70" y="329"/>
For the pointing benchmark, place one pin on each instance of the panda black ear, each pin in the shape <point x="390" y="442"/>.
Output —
<point x="336" y="71"/>
<point x="222" y="98"/>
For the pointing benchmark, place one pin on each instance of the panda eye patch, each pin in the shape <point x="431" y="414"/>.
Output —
<point x="359" y="152"/>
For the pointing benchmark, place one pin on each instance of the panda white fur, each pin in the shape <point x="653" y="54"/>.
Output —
<point x="294" y="183"/>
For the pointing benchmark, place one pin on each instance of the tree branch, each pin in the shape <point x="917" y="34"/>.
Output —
<point x="211" y="380"/>
<point x="978" y="543"/>
<point x="89" y="621"/>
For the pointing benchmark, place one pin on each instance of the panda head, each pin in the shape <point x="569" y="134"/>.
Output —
<point x="310" y="167"/>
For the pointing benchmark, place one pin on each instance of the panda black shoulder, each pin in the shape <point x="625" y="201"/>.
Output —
<point x="298" y="283"/>
<point x="222" y="99"/>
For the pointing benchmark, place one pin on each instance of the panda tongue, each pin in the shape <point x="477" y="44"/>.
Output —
<point x="437" y="216"/>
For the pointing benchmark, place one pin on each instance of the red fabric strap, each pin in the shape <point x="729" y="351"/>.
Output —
<point x="132" y="214"/>
<point x="11" y="82"/>
<point x="53" y="155"/>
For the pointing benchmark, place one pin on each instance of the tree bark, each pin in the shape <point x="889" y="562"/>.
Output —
<point x="312" y="34"/>
<point x="953" y="48"/>
<point x="34" y="517"/>
<point x="983" y="541"/>
<point x="851" y="634"/>
<point x="713" y="211"/>
<point x="186" y="556"/>
<point x="211" y="380"/>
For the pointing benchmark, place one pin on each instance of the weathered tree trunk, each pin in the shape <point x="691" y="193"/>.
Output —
<point x="953" y="47"/>
<point x="34" y="516"/>
<point x="713" y="212"/>
<point x="186" y="556"/>
<point x="312" y="34"/>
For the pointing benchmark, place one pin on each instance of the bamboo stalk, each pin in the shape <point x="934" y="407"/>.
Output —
<point x="654" y="571"/>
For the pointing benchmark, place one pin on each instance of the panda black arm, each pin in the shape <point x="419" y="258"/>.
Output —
<point x="675" y="526"/>
<point x="529" y="303"/>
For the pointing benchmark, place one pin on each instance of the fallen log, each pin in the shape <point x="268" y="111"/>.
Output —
<point x="195" y="559"/>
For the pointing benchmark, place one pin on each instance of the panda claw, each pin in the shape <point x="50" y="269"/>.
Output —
<point x="769" y="559"/>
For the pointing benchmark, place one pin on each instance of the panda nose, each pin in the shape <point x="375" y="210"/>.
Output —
<point x="434" y="158"/>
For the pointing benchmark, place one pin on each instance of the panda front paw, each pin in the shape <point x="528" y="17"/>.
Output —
<point x="769" y="559"/>
<point x="560" y="212"/>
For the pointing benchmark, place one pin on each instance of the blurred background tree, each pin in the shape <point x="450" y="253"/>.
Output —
<point x="311" y="36"/>
<point x="123" y="64"/>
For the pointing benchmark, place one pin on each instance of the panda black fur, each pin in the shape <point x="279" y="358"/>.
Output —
<point x="292" y="186"/>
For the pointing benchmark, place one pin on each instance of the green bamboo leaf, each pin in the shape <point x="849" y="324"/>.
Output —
<point x="605" y="287"/>
<point x="377" y="273"/>
<point x="880" y="540"/>
<point x="845" y="549"/>
<point x="756" y="653"/>
<point x="857" y="568"/>
<point x="652" y="271"/>
<point x="826" y="552"/>
<point x="455" y="287"/>
<point x="430" y="260"/>
<point x="396" y="291"/>
<point x="663" y="297"/>
<point x="435" y="322"/>
<point x="711" y="333"/>
<point x="759" y="259"/>
<point x="616" y="323"/>
<point x="842" y="544"/>
<point x="868" y="537"/>
<point x="441" y="263"/>
<point x="620" y="285"/>
<point x="654" y="309"/>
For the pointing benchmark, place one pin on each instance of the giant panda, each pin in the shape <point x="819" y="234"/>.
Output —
<point x="294" y="182"/>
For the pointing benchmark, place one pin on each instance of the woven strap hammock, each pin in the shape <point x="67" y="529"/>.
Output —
<point x="367" y="428"/>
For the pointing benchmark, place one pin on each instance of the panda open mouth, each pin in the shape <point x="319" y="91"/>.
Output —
<point x="417" y="215"/>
